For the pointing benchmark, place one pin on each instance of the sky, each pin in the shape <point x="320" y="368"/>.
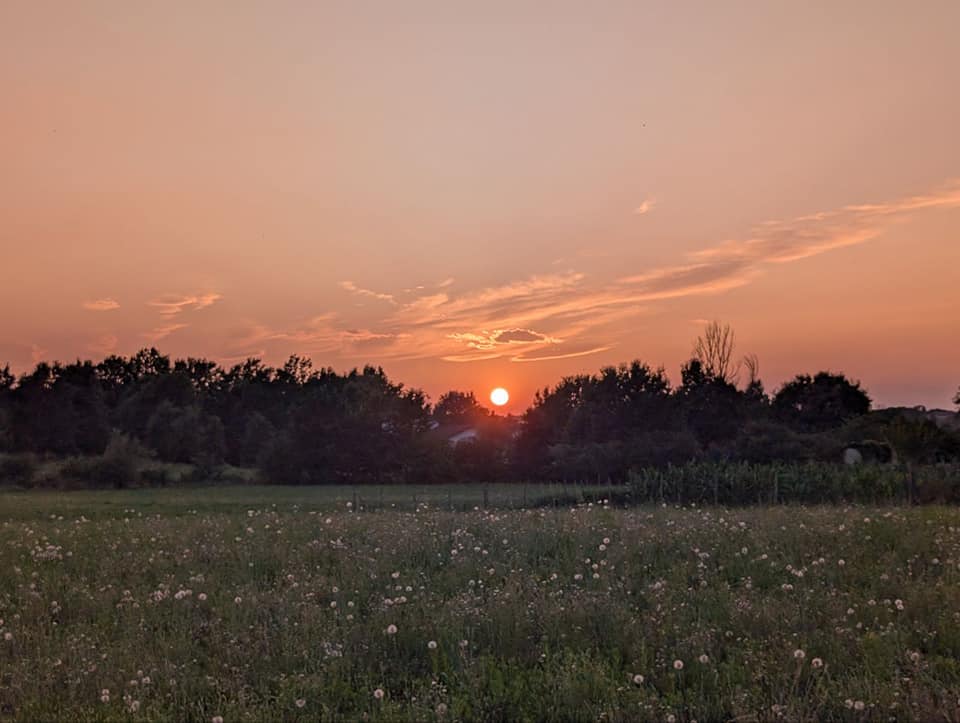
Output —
<point x="485" y="194"/>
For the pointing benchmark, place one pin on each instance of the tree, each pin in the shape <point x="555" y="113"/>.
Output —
<point x="821" y="402"/>
<point x="714" y="350"/>
<point x="7" y="379"/>
<point x="59" y="409"/>
<point x="296" y="371"/>
<point x="205" y="376"/>
<point x="712" y="406"/>
<point x="185" y="435"/>
<point x="917" y="442"/>
<point x="956" y="399"/>
<point x="457" y="408"/>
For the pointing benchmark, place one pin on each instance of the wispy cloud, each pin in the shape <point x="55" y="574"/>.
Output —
<point x="573" y="307"/>
<point x="570" y="355"/>
<point x="734" y="263"/>
<point x="162" y="332"/>
<point x="359" y="291"/>
<point x="646" y="206"/>
<point x="319" y="334"/>
<point x="173" y="304"/>
<point x="569" y="314"/>
<point x="488" y="340"/>
<point x="106" y="304"/>
<point x="104" y="344"/>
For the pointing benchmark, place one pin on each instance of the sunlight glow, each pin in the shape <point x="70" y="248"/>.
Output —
<point x="499" y="396"/>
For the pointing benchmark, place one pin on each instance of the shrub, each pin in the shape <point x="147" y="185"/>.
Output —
<point x="117" y="467"/>
<point x="17" y="468"/>
<point x="278" y="461"/>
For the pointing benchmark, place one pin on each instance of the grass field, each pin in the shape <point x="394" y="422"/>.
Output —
<point x="251" y="603"/>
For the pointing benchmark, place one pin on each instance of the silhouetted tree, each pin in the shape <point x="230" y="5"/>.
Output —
<point x="714" y="349"/>
<point x="824" y="401"/>
<point x="457" y="407"/>
<point x="185" y="435"/>
<point x="304" y="425"/>
<point x="713" y="407"/>
<point x="918" y="441"/>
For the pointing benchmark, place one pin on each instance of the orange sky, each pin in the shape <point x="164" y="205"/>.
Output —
<point x="481" y="194"/>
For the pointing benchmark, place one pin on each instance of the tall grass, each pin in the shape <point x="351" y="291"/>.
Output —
<point x="742" y="483"/>
<point x="166" y="605"/>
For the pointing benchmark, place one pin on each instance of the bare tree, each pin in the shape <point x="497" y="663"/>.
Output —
<point x="714" y="350"/>
<point x="752" y="364"/>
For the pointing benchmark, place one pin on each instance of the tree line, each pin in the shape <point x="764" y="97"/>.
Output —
<point x="296" y="424"/>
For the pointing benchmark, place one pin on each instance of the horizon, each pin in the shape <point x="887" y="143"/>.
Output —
<point x="509" y="408"/>
<point x="486" y="197"/>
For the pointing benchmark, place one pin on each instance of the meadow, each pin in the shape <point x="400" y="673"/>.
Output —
<point x="264" y="603"/>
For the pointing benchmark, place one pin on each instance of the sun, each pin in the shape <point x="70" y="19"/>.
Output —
<point x="499" y="396"/>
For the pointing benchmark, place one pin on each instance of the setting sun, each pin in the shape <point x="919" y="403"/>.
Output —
<point x="499" y="396"/>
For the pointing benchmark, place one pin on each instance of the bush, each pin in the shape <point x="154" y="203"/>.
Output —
<point x="17" y="468"/>
<point x="769" y="442"/>
<point x="117" y="467"/>
<point x="186" y="435"/>
<point x="278" y="461"/>
<point x="741" y="483"/>
<point x="155" y="476"/>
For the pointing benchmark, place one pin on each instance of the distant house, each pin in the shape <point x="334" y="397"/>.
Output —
<point x="869" y="451"/>
<point x="453" y="434"/>
<point x="467" y="435"/>
<point x="944" y="418"/>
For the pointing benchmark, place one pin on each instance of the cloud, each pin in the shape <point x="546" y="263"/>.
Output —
<point x="470" y="357"/>
<point x="497" y="302"/>
<point x="734" y="263"/>
<point x="488" y="340"/>
<point x="172" y="304"/>
<point x="569" y="314"/>
<point x="645" y="207"/>
<point x="572" y="306"/>
<point x="570" y="355"/>
<point x="101" y="305"/>
<point x="354" y="289"/>
<point x="318" y="334"/>
<point x="104" y="344"/>
<point x="162" y="332"/>
<point x="522" y="336"/>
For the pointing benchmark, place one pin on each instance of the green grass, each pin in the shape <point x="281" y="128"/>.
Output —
<point x="534" y="615"/>
<point x="190" y="499"/>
